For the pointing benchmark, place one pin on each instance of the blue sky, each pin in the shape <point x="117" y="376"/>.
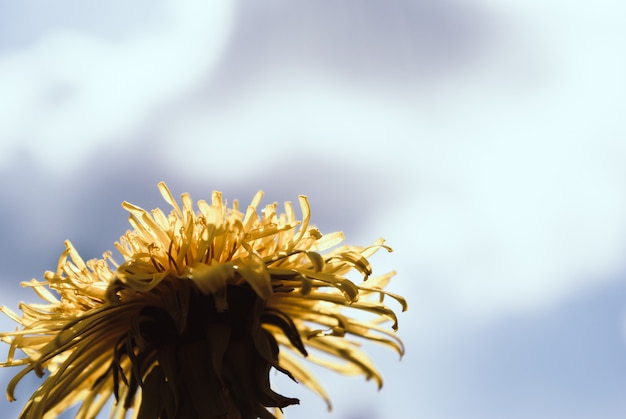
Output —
<point x="484" y="140"/>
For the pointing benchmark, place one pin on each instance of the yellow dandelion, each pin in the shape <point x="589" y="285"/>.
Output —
<point x="206" y="302"/>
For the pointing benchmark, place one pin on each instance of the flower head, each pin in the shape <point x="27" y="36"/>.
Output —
<point x="206" y="301"/>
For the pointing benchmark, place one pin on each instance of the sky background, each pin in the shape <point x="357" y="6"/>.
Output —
<point x="484" y="140"/>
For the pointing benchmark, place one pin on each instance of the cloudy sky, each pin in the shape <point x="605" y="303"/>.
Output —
<point x="484" y="140"/>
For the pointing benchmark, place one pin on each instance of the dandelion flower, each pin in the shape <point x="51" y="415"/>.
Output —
<point x="205" y="303"/>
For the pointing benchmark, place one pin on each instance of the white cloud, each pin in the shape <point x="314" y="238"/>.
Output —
<point x="70" y="91"/>
<point x="509" y="175"/>
<point x="509" y="180"/>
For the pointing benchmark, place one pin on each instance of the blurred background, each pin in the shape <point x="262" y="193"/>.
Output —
<point x="484" y="140"/>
